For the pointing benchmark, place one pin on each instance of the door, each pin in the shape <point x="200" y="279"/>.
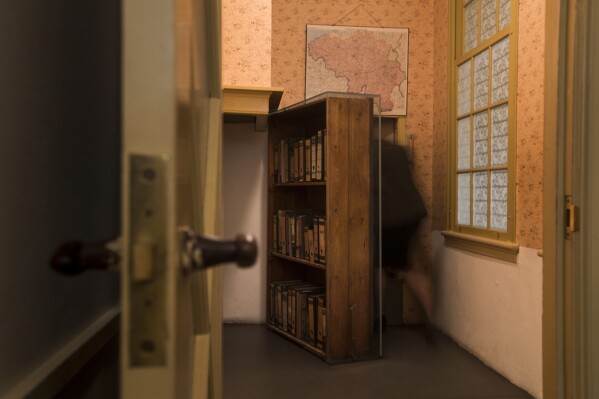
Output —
<point x="171" y="318"/>
<point x="585" y="257"/>
<point x="571" y="270"/>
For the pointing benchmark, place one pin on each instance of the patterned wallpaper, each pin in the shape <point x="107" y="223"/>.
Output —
<point x="249" y="34"/>
<point x="246" y="38"/>
<point x="529" y="180"/>
<point x="440" y="105"/>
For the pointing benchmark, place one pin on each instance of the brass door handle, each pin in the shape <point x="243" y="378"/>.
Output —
<point x="201" y="252"/>
<point x="75" y="257"/>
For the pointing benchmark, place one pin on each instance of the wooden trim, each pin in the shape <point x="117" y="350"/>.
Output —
<point x="553" y="382"/>
<point x="51" y="376"/>
<point x="482" y="233"/>
<point x="584" y="84"/>
<point x="512" y="31"/>
<point x="483" y="246"/>
<point x="451" y="111"/>
<point x="251" y="100"/>
<point x="589" y="261"/>
<point x="590" y="198"/>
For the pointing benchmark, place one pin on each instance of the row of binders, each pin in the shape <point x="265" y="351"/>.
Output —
<point x="300" y="234"/>
<point x="299" y="309"/>
<point x="301" y="159"/>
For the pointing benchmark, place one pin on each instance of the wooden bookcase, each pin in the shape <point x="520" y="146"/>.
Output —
<point x="345" y="198"/>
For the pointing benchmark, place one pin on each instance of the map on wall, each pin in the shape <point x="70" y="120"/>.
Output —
<point x="359" y="60"/>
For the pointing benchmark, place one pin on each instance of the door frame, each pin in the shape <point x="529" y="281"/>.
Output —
<point x="552" y="178"/>
<point x="567" y="283"/>
<point x="585" y="259"/>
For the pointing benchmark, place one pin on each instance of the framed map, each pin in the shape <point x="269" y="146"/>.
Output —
<point x="359" y="60"/>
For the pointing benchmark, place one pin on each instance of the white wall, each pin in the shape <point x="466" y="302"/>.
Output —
<point x="245" y="203"/>
<point x="246" y="51"/>
<point x="493" y="309"/>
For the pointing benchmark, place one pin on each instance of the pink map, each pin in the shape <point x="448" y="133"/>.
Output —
<point x="367" y="62"/>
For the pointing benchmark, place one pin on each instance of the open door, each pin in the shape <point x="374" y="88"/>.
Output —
<point x="171" y="168"/>
<point x="170" y="330"/>
<point x="571" y="270"/>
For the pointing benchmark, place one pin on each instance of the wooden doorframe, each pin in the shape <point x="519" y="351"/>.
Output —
<point x="552" y="177"/>
<point x="566" y="283"/>
<point x="586" y="190"/>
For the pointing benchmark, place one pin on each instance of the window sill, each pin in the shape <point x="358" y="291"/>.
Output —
<point x="495" y="249"/>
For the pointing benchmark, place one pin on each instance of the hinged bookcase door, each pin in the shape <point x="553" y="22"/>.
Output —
<point x="347" y="198"/>
<point x="349" y="220"/>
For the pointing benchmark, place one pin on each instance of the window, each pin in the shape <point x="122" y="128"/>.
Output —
<point x="483" y="119"/>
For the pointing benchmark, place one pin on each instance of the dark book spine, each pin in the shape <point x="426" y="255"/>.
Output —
<point x="322" y="239"/>
<point x="275" y="232"/>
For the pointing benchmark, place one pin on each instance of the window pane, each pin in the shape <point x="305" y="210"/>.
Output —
<point x="464" y="79"/>
<point x="499" y="200"/>
<point x="499" y="135"/>
<point x="481" y="140"/>
<point x="464" y="143"/>
<point x="487" y="22"/>
<point x="501" y="65"/>
<point x="479" y="219"/>
<point x="464" y="198"/>
<point x="504" y="13"/>
<point x="471" y="26"/>
<point x="481" y="80"/>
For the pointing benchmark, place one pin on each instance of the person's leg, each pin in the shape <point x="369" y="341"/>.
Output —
<point x="420" y="284"/>
<point x="416" y="275"/>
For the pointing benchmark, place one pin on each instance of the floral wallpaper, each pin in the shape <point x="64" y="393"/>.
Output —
<point x="440" y="104"/>
<point x="530" y="125"/>
<point x="246" y="39"/>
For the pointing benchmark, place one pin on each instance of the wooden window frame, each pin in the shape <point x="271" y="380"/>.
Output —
<point x="486" y="241"/>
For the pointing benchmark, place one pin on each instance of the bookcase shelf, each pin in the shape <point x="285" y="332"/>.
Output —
<point x="346" y="219"/>
<point x="302" y="184"/>
<point x="318" y="352"/>
<point x="299" y="260"/>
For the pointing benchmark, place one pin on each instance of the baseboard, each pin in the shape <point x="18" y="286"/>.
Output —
<point x="51" y="376"/>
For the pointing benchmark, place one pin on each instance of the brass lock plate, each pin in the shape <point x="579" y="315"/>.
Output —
<point x="147" y="261"/>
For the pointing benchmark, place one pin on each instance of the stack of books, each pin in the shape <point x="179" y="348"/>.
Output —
<point x="300" y="234"/>
<point x="301" y="159"/>
<point x="299" y="308"/>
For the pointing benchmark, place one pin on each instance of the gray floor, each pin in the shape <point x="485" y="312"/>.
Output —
<point x="260" y="364"/>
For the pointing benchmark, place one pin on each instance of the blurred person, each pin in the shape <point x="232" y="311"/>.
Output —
<point x="402" y="210"/>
